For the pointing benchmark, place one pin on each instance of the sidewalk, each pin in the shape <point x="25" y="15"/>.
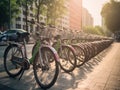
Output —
<point x="3" y="87"/>
<point x="100" y="73"/>
<point x="106" y="75"/>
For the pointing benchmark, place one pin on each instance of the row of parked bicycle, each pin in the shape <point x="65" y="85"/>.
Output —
<point x="48" y="54"/>
<point x="74" y="54"/>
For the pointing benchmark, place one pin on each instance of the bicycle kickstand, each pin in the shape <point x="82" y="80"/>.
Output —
<point x="21" y="74"/>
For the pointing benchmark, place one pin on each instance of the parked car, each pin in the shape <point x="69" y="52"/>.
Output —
<point x="0" y="32"/>
<point x="14" y="35"/>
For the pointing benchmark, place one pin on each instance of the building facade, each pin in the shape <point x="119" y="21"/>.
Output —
<point x="75" y="14"/>
<point x="71" y="20"/>
<point x="87" y="19"/>
<point x="20" y="21"/>
<point x="64" y="20"/>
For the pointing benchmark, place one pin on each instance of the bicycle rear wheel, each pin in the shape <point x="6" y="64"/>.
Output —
<point x="67" y="59"/>
<point x="46" y="73"/>
<point x="12" y="68"/>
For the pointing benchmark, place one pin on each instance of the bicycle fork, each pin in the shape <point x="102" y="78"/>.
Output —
<point x="43" y="63"/>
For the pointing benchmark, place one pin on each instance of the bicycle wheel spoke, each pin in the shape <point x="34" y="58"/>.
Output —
<point x="45" y="69"/>
<point x="12" y="68"/>
<point x="69" y="61"/>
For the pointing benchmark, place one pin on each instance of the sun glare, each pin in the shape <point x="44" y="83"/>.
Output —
<point x="94" y="7"/>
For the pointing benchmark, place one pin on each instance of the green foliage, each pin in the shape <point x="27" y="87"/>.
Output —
<point x="94" y="30"/>
<point x="4" y="11"/>
<point x="111" y="14"/>
<point x="52" y="9"/>
<point x="55" y="9"/>
<point x="4" y="18"/>
<point x="99" y="30"/>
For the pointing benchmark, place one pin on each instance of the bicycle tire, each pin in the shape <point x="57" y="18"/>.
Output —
<point x="70" y="64"/>
<point x="80" y="53"/>
<point x="36" y="66"/>
<point x="14" y="65"/>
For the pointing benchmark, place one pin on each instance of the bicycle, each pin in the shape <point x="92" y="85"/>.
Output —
<point x="66" y="53"/>
<point x="44" y="60"/>
<point x="79" y="52"/>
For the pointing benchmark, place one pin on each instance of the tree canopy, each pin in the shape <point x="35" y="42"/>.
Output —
<point x="94" y="30"/>
<point x="4" y="11"/>
<point x="111" y="15"/>
<point x="52" y="9"/>
<point x="55" y="9"/>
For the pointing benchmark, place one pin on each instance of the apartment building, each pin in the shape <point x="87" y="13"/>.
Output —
<point x="75" y="14"/>
<point x="20" y="21"/>
<point x="73" y="17"/>
<point x="87" y="19"/>
<point x="63" y="21"/>
<point x="71" y="20"/>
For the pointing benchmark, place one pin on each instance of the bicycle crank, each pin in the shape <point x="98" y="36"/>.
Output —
<point x="21" y="61"/>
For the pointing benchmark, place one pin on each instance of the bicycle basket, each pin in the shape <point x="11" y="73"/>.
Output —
<point x="47" y="32"/>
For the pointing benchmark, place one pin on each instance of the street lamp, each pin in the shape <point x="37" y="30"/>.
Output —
<point x="9" y="15"/>
<point x="26" y="15"/>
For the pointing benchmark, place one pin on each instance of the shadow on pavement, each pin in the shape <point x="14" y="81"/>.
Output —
<point x="65" y="80"/>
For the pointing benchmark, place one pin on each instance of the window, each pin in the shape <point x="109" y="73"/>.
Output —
<point x="24" y="27"/>
<point x="24" y="12"/>
<point x="31" y="28"/>
<point x="31" y="14"/>
<point x="31" y="8"/>
<point x="24" y="19"/>
<point x="18" y="19"/>
<point x="18" y="26"/>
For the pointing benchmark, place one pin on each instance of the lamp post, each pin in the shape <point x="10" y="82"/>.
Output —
<point x="9" y="15"/>
<point x="26" y="16"/>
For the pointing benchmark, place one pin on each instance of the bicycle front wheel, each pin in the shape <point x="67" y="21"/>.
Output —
<point x="46" y="70"/>
<point x="80" y="54"/>
<point x="67" y="59"/>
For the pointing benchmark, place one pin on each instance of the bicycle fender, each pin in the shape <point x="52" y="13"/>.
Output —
<point x="70" y="48"/>
<point x="53" y="51"/>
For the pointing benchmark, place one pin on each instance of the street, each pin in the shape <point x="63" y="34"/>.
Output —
<point x="100" y="73"/>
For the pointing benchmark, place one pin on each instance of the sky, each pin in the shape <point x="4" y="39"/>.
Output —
<point x="94" y="7"/>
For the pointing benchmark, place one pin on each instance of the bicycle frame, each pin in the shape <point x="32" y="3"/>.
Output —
<point x="38" y="49"/>
<point x="35" y="52"/>
<point x="59" y="45"/>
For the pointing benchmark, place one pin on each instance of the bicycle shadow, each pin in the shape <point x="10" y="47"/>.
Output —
<point x="65" y="80"/>
<point x="27" y="82"/>
<point x="79" y="74"/>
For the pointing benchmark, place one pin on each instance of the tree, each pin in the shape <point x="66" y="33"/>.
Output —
<point x="89" y="29"/>
<point x="15" y="10"/>
<point x="25" y="4"/>
<point x="52" y="9"/>
<point x="111" y="15"/>
<point x="99" y="30"/>
<point x="94" y="30"/>
<point x="55" y="9"/>
<point x="4" y="12"/>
